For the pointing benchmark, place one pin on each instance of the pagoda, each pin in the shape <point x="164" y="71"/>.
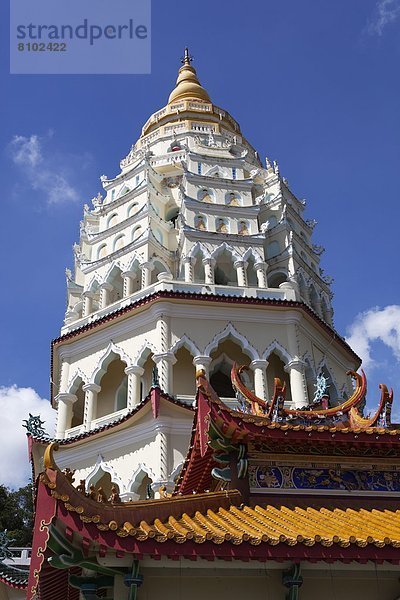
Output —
<point x="212" y="437"/>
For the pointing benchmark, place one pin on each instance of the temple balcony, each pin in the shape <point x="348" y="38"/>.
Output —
<point x="21" y="557"/>
<point x="172" y="285"/>
<point x="97" y="423"/>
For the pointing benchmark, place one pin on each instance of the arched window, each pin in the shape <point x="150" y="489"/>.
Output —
<point x="136" y="280"/>
<point x="198" y="269"/>
<point x="223" y="357"/>
<point x="94" y="289"/>
<point x="119" y="242"/>
<point x="251" y="273"/>
<point x="133" y="209"/>
<point x="224" y="270"/>
<point x="113" y="386"/>
<point x="78" y="407"/>
<point x="116" y="281"/>
<point x="275" y="279"/>
<point x="137" y="232"/>
<point x="158" y="267"/>
<point x="141" y="486"/>
<point x="184" y="374"/>
<point x="102" y="251"/>
<point x="276" y="368"/>
<point x="112" y="220"/>
<point x="102" y="479"/>
<point x="121" y="395"/>
<point x="273" y="249"/>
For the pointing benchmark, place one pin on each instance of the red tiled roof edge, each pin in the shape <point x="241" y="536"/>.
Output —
<point x="207" y="298"/>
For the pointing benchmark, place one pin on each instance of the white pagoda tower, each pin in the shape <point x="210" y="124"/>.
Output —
<point x="196" y="256"/>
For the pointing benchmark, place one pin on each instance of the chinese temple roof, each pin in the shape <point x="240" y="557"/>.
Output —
<point x="215" y="525"/>
<point x="12" y="577"/>
<point x="270" y="428"/>
<point x="229" y="522"/>
<point x="220" y="517"/>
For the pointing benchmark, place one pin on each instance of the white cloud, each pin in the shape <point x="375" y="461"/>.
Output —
<point x="386" y="12"/>
<point x="376" y="324"/>
<point x="42" y="169"/>
<point x="15" y="405"/>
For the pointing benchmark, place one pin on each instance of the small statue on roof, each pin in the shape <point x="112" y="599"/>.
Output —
<point x="34" y="426"/>
<point x="97" y="200"/>
<point x="69" y="474"/>
<point x="114" y="498"/>
<point x="81" y="488"/>
<point x="321" y="388"/>
<point x="101" y="496"/>
<point x="5" y="541"/>
<point x="162" y="490"/>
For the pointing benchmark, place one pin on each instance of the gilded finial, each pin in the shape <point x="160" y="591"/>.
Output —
<point x="187" y="59"/>
<point x="187" y="85"/>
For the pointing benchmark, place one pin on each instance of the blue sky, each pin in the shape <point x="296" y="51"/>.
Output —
<point x="314" y="85"/>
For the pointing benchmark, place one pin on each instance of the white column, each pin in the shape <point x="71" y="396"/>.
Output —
<point x="105" y="290"/>
<point x="291" y="264"/>
<point x="261" y="270"/>
<point x="165" y="362"/>
<point x="87" y="303"/>
<point x="202" y="363"/>
<point x="64" y="375"/>
<point x="188" y="262"/>
<point x="241" y="273"/>
<point x="296" y="370"/>
<point x="129" y="277"/>
<point x="91" y="390"/>
<point x="260" y="378"/>
<point x="134" y="373"/>
<point x="162" y="468"/>
<point x="209" y="270"/>
<point x="146" y="273"/>
<point x="64" y="413"/>
<point x="291" y="290"/>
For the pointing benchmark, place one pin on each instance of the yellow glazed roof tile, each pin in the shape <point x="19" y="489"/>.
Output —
<point x="273" y="525"/>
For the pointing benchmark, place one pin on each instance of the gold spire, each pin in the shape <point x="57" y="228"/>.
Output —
<point x="187" y="84"/>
